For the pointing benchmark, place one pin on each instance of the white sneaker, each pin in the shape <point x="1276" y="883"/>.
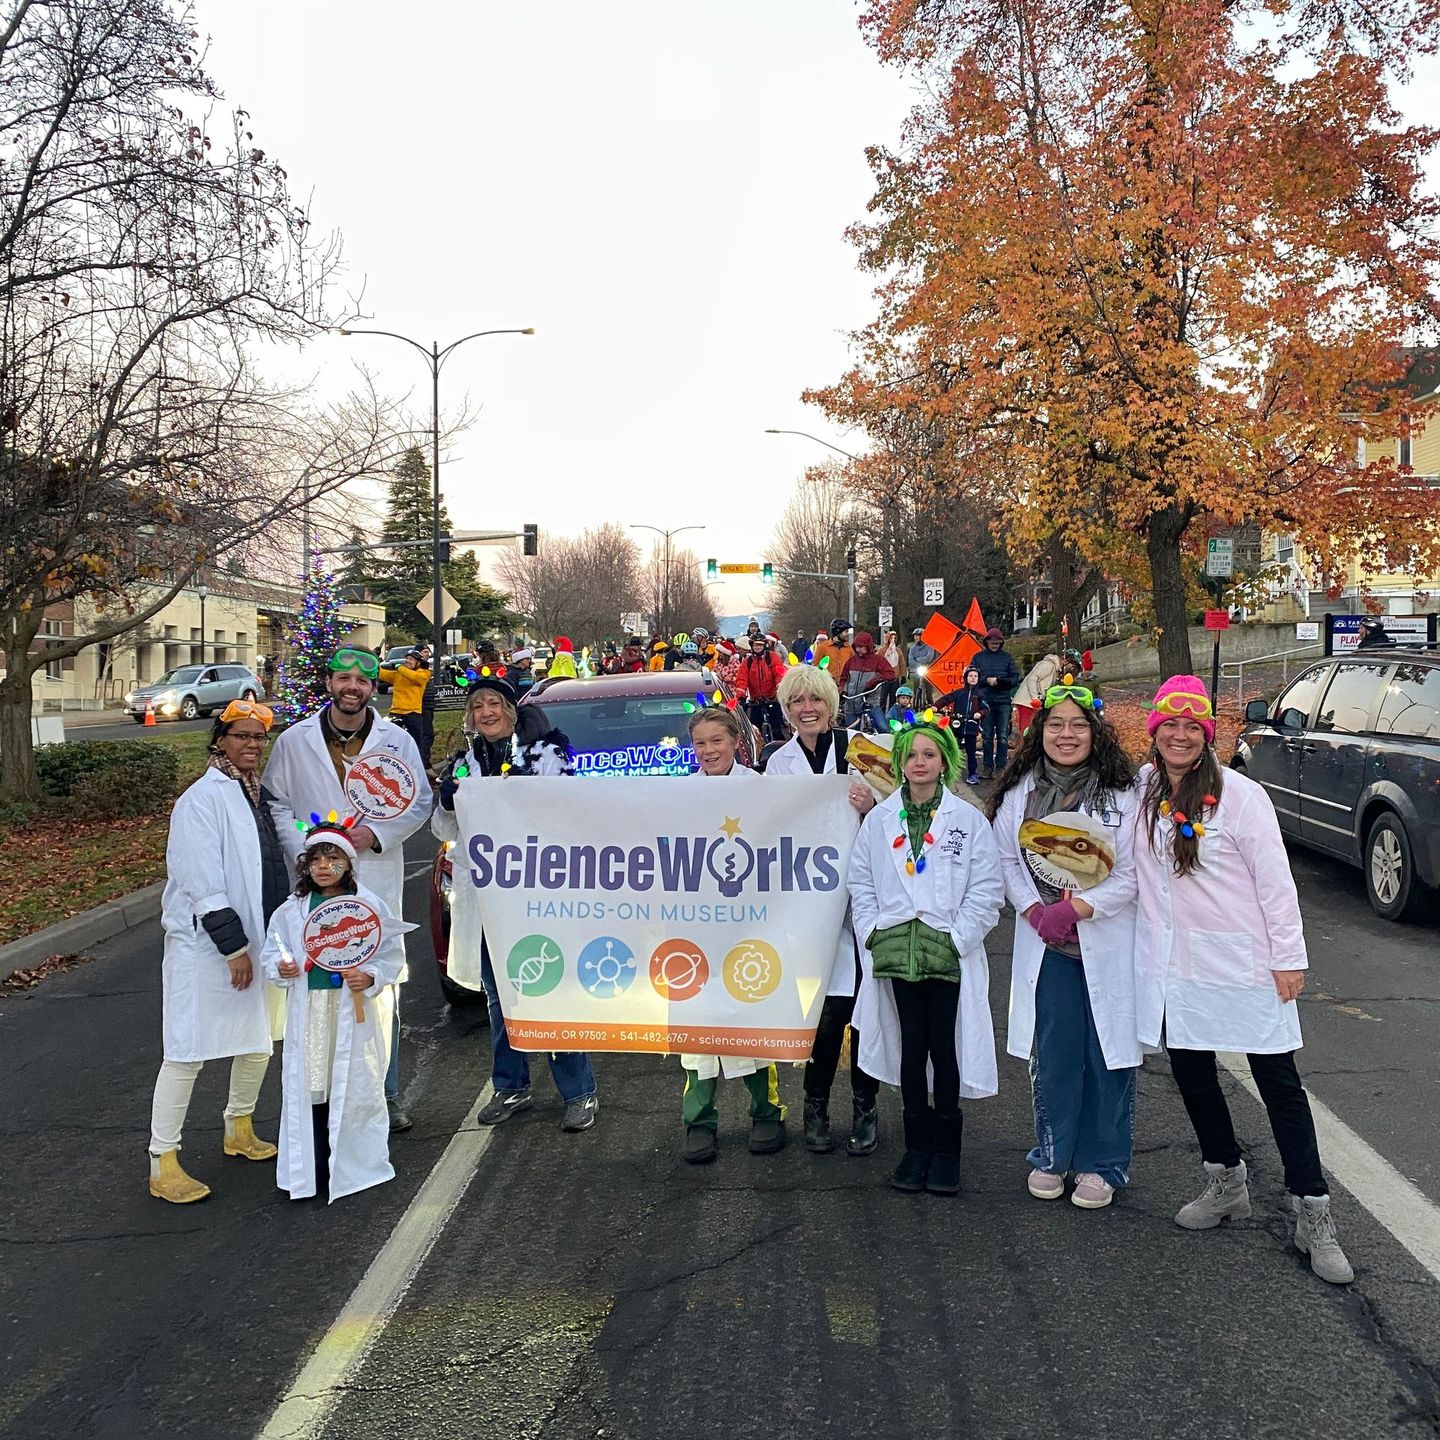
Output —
<point x="1045" y="1186"/>
<point x="1091" y="1192"/>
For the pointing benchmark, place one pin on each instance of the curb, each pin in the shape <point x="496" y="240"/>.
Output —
<point x="79" y="932"/>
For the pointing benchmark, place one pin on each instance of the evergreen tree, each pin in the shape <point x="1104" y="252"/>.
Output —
<point x="313" y="637"/>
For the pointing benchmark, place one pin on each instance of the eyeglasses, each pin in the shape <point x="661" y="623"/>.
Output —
<point x="245" y="737"/>
<point x="1185" y="703"/>
<point x="248" y="709"/>
<point x="361" y="660"/>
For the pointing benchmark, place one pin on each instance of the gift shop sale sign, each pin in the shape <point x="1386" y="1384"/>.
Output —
<point x="653" y="914"/>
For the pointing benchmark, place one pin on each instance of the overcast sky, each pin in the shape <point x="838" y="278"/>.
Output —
<point x="660" y="187"/>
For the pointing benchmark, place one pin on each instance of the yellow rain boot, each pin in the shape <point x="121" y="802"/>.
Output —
<point x="241" y="1139"/>
<point x="169" y="1182"/>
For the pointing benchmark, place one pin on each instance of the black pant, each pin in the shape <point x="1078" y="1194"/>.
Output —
<point x="835" y="1015"/>
<point x="1288" y="1106"/>
<point x="927" y="1034"/>
<point x="320" y="1128"/>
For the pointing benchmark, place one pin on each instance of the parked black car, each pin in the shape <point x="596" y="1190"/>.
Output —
<point x="1350" y="755"/>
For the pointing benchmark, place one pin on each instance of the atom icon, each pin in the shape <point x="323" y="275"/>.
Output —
<point x="679" y="969"/>
<point x="606" y="967"/>
<point x="752" y="971"/>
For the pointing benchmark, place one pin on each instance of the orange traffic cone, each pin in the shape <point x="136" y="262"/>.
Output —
<point x="149" y="712"/>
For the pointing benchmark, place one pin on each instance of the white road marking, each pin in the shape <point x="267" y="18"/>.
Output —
<point x="318" y="1388"/>
<point x="1408" y="1214"/>
<point x="418" y="867"/>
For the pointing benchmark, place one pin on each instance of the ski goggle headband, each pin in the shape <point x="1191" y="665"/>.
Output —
<point x="247" y="709"/>
<point x="1185" y="702"/>
<point x="361" y="660"/>
<point x="1084" y="698"/>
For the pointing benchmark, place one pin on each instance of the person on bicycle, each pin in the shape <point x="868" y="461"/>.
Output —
<point x="863" y="679"/>
<point x="756" y="684"/>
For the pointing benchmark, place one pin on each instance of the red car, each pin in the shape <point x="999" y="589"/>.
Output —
<point x="617" y="725"/>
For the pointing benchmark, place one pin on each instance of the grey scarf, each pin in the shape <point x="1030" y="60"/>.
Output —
<point x="1054" y="784"/>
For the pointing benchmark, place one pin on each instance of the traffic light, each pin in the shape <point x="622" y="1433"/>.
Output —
<point x="712" y="569"/>
<point x="767" y="573"/>
<point x="442" y="546"/>
<point x="532" y="539"/>
<point x="849" y="559"/>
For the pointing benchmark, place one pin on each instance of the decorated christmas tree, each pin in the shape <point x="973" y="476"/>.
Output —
<point x="317" y="631"/>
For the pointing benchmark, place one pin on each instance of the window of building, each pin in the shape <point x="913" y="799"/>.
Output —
<point x="53" y="628"/>
<point x="1405" y="446"/>
<point x="1347" y="703"/>
<point x="1411" y="705"/>
<point x="1284" y="548"/>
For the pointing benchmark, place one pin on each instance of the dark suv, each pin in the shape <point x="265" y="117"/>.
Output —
<point x="1350" y="755"/>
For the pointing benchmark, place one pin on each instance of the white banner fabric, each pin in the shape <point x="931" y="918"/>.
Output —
<point x="657" y="914"/>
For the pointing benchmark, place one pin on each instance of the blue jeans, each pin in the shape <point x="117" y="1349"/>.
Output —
<point x="510" y="1068"/>
<point x="392" y="1074"/>
<point x="995" y="730"/>
<point x="1083" y="1112"/>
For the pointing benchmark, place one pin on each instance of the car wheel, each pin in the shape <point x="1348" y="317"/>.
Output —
<point x="189" y="708"/>
<point x="1390" y="882"/>
<point x="138" y="719"/>
<point x="460" y="996"/>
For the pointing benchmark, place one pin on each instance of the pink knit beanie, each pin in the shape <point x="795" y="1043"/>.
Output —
<point x="1182" y="695"/>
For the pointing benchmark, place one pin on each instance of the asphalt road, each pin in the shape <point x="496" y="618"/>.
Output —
<point x="596" y="1285"/>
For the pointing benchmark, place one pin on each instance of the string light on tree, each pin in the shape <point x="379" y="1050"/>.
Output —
<point x="313" y="637"/>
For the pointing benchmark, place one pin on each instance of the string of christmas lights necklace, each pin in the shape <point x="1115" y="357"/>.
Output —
<point x="1184" y="824"/>
<point x="915" y="864"/>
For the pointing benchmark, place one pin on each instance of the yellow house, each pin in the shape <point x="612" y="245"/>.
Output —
<point x="1414" y="445"/>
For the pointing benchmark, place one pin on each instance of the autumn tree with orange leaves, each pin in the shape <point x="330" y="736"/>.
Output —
<point x="1150" y="267"/>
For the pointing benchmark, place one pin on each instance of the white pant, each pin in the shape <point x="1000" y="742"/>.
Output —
<point x="175" y="1083"/>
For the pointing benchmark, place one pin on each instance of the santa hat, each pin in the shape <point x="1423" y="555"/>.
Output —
<point x="727" y="645"/>
<point x="772" y="637"/>
<point x="1183" y="695"/>
<point x="562" y="642"/>
<point x="524" y="653"/>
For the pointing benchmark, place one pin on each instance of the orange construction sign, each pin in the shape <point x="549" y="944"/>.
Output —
<point x="974" y="618"/>
<point x="939" y="633"/>
<point x="957" y="646"/>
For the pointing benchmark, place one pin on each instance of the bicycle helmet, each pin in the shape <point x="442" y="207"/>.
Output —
<point x="839" y="627"/>
<point x="689" y="648"/>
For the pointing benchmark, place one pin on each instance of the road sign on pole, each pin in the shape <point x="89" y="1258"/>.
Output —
<point x="935" y="591"/>
<point x="739" y="569"/>
<point x="448" y="606"/>
<point x="1220" y="557"/>
<point x="887" y="616"/>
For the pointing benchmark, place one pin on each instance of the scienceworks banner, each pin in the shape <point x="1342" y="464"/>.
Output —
<point x="666" y="915"/>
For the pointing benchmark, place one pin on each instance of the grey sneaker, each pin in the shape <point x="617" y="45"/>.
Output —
<point x="503" y="1105"/>
<point x="580" y="1114"/>
<point x="1226" y="1197"/>
<point x="1315" y="1237"/>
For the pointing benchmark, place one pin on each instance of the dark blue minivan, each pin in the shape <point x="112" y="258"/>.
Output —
<point x="1349" y="754"/>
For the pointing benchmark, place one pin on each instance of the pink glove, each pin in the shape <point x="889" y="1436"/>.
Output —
<point x="1056" y="923"/>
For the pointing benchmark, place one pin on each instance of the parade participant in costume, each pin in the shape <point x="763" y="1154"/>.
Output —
<point x="925" y="890"/>
<point x="658" y="652"/>
<point x="999" y="675"/>
<point x="408" y="682"/>
<point x="307" y="774"/>
<point x="225" y="875"/>
<point x="895" y="654"/>
<point x="333" y="1068"/>
<point x="1220" y="959"/>
<point x="502" y="739"/>
<point x="727" y="662"/>
<point x="632" y="657"/>
<point x="966" y="708"/>
<point x="811" y="702"/>
<point x="715" y="732"/>
<point x="757" y="684"/>
<point x="562" y="662"/>
<point x="1064" y="817"/>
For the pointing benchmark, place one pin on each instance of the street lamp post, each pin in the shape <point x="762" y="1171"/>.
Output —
<point x="662" y="617"/>
<point x="202" y="591"/>
<point x="850" y="567"/>
<point x="435" y="357"/>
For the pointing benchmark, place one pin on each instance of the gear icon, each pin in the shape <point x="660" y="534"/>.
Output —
<point x="752" y="971"/>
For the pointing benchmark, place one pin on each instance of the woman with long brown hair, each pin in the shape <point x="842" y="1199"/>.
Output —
<point x="1220" y="960"/>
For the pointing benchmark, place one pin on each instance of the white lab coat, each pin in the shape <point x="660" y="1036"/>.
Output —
<point x="212" y="862"/>
<point x="463" y="963"/>
<point x="1107" y="942"/>
<point x="960" y="891"/>
<point x="1205" y="944"/>
<point x="302" y="780"/>
<point x="790" y="759"/>
<point x="710" y="1067"/>
<point x="359" y="1119"/>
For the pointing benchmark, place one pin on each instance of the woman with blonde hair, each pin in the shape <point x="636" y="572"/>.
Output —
<point x="811" y="702"/>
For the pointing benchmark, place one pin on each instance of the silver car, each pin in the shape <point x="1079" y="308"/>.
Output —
<point x="192" y="690"/>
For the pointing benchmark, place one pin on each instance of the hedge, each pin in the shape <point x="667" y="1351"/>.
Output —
<point x="109" y="779"/>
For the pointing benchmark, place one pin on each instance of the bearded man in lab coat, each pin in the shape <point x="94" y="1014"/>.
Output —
<point x="308" y="765"/>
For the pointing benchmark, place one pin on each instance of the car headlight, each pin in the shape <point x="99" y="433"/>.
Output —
<point x="130" y="698"/>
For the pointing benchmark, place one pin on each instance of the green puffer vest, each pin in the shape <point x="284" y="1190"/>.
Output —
<point x="914" y="951"/>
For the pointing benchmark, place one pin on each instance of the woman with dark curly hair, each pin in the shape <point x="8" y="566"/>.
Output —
<point x="1063" y="817"/>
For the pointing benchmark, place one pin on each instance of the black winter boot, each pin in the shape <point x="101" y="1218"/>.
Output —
<point x="818" y="1139"/>
<point x="944" y="1176"/>
<point x="914" y="1165"/>
<point x="864" y="1126"/>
